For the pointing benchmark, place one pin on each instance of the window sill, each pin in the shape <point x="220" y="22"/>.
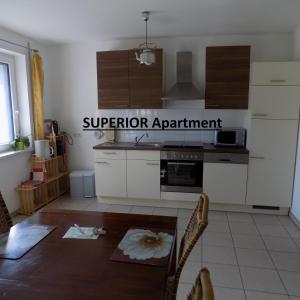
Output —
<point x="14" y="152"/>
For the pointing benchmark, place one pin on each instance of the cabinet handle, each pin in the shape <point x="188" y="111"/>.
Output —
<point x="119" y="106"/>
<point x="180" y="163"/>
<point x="136" y="106"/>
<point x="152" y="164"/>
<point x="225" y="159"/>
<point x="257" y="157"/>
<point x="110" y="153"/>
<point x="102" y="163"/>
<point x="277" y="80"/>
<point x="213" y="105"/>
<point x="260" y="115"/>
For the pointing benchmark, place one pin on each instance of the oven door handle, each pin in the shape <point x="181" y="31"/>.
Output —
<point x="181" y="163"/>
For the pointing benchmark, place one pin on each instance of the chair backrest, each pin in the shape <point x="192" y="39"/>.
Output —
<point x="202" y="290"/>
<point x="5" y="219"/>
<point x="193" y="231"/>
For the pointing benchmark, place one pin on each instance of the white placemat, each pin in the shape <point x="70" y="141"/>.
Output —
<point x="74" y="233"/>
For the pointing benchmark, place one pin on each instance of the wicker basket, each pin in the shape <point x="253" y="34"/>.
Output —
<point x="32" y="197"/>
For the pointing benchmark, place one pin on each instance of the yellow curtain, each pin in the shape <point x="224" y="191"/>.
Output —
<point x="37" y="95"/>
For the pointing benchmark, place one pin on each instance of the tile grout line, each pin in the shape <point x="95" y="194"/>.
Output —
<point x="293" y="239"/>
<point x="235" y="253"/>
<point x="267" y="250"/>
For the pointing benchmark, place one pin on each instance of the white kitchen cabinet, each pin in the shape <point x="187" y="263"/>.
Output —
<point x="110" y="176"/>
<point x="225" y="182"/>
<point x="110" y="154"/>
<point x="272" y="145"/>
<point x="143" y="155"/>
<point x="275" y="102"/>
<point x="275" y="73"/>
<point x="143" y="178"/>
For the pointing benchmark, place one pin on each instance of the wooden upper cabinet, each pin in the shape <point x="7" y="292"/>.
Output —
<point x="113" y="81"/>
<point x="227" y="77"/>
<point x="146" y="82"/>
<point x="124" y="83"/>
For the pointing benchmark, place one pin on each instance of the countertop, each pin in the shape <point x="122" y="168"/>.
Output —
<point x="206" y="148"/>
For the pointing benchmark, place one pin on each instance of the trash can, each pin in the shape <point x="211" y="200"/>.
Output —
<point x="82" y="184"/>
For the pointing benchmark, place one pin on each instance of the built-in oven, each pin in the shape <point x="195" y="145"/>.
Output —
<point x="181" y="171"/>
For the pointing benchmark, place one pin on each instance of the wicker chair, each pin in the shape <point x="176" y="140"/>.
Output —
<point x="202" y="290"/>
<point x="5" y="219"/>
<point x="193" y="232"/>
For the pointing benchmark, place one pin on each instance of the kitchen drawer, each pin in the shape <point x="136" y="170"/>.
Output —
<point x="275" y="73"/>
<point x="110" y="154"/>
<point x="228" y="158"/>
<point x="143" y="154"/>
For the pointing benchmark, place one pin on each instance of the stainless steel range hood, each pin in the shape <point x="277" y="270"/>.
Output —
<point x="183" y="89"/>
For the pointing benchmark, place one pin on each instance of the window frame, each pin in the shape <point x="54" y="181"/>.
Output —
<point x="10" y="61"/>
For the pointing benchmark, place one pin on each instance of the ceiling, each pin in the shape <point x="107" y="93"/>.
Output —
<point x="61" y="21"/>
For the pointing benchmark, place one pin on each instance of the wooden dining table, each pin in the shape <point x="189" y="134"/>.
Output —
<point x="58" y="268"/>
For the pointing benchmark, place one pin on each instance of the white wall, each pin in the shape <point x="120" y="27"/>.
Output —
<point x="72" y="85"/>
<point x="297" y="44"/>
<point x="15" y="169"/>
<point x="296" y="195"/>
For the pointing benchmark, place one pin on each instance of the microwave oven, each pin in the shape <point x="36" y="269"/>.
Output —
<point x="230" y="137"/>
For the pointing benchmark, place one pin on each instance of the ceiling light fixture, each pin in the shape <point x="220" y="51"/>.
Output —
<point x="147" y="54"/>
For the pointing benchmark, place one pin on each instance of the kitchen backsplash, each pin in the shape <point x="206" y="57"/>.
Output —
<point x="193" y="109"/>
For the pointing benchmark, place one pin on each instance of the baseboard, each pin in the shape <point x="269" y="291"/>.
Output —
<point x="191" y="205"/>
<point x="282" y="211"/>
<point x="148" y="202"/>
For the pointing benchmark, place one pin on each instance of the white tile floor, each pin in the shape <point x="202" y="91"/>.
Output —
<point x="250" y="256"/>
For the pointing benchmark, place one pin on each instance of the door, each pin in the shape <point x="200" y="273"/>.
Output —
<point x="113" y="80"/>
<point x="143" y="179"/>
<point x="272" y="145"/>
<point x="275" y="102"/>
<point x="225" y="182"/>
<point x="146" y="82"/>
<point x="110" y="175"/>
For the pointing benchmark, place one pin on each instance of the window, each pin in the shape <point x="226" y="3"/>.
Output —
<point x="8" y="103"/>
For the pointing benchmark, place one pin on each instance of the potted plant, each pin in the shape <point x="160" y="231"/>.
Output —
<point x="21" y="142"/>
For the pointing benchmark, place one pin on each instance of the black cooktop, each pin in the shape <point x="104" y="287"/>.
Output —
<point x="184" y="144"/>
